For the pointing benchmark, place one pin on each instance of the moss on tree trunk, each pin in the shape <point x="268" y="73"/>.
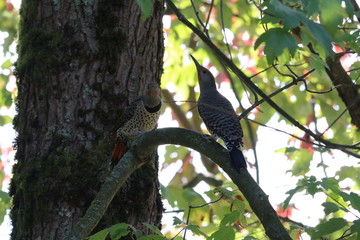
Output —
<point x="80" y="63"/>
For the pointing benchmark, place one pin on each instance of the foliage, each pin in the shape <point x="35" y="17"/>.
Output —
<point x="283" y="47"/>
<point x="275" y="43"/>
<point x="8" y="30"/>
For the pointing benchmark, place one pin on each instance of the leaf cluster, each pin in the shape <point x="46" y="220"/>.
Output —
<point x="283" y="47"/>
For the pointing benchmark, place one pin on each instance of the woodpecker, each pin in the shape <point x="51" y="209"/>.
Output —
<point x="141" y="115"/>
<point x="219" y="116"/>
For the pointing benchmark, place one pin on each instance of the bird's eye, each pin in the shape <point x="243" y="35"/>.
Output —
<point x="203" y="71"/>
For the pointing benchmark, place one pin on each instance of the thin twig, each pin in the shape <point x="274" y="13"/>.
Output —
<point x="209" y="203"/>
<point x="264" y="70"/>
<point x="291" y="135"/>
<point x="286" y="219"/>
<point x="341" y="114"/>
<point x="248" y="81"/>
<point x="336" y="119"/>
<point x="198" y="18"/>
<point x="339" y="203"/>
<point x="339" y="146"/>
<point x="275" y="92"/>
<point x="354" y="69"/>
<point x="178" y="233"/>
<point x="223" y="29"/>
<point x="284" y="74"/>
<point x="200" y="206"/>
<point x="288" y="67"/>
<point x="208" y="18"/>
<point x="174" y="211"/>
<point x="344" y="235"/>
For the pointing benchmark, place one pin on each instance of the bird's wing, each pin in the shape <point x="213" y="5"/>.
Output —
<point x="127" y="114"/>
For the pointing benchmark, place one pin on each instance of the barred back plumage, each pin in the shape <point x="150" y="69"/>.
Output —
<point x="219" y="116"/>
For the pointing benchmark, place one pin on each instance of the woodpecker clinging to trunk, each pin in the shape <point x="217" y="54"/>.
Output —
<point x="219" y="116"/>
<point x="141" y="115"/>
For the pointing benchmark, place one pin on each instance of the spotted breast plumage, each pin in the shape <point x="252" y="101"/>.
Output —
<point x="141" y="116"/>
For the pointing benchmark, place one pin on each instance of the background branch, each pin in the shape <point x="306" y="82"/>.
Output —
<point x="221" y="57"/>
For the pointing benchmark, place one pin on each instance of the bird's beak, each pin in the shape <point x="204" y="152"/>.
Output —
<point x="198" y="67"/>
<point x="195" y="61"/>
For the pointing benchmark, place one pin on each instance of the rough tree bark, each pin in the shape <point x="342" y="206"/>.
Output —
<point x="80" y="63"/>
<point x="348" y="91"/>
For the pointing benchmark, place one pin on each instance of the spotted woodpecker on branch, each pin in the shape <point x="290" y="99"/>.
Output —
<point x="142" y="115"/>
<point x="219" y="116"/>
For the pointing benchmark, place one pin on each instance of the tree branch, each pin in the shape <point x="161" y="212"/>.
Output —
<point x="143" y="145"/>
<point x="241" y="75"/>
<point x="206" y="145"/>
<point x="121" y="172"/>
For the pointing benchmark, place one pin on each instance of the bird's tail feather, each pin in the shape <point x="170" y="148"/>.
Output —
<point x="118" y="151"/>
<point x="237" y="159"/>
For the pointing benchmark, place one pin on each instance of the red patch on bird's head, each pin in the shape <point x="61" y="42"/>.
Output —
<point x="153" y="92"/>
<point x="199" y="75"/>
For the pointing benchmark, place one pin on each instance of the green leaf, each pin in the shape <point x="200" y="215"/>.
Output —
<point x="230" y="218"/>
<point x="116" y="231"/>
<point x="174" y="153"/>
<point x="331" y="15"/>
<point x="276" y="40"/>
<point x="349" y="9"/>
<point x="196" y="230"/>
<point x="310" y="6"/>
<point x="238" y="204"/>
<point x="5" y="120"/>
<point x="100" y="235"/>
<point x="330" y="207"/>
<point x="152" y="237"/>
<point x="227" y="193"/>
<point x="331" y="184"/>
<point x="356" y="70"/>
<point x="223" y="233"/>
<point x="5" y="96"/>
<point x="4" y="204"/>
<point x="250" y="238"/>
<point x="290" y="18"/>
<point x="319" y="64"/>
<point x="291" y="194"/>
<point x="355" y="201"/>
<point x="328" y="227"/>
<point x="312" y="185"/>
<point x="177" y="221"/>
<point x="7" y="64"/>
<point x="287" y="150"/>
<point x="355" y="228"/>
<point x="174" y="195"/>
<point x="153" y="228"/>
<point x="319" y="35"/>
<point x="302" y="162"/>
<point x="351" y="173"/>
<point x="193" y="197"/>
<point x="146" y="7"/>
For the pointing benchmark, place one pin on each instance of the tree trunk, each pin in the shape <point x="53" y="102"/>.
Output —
<point x="347" y="90"/>
<point x="80" y="64"/>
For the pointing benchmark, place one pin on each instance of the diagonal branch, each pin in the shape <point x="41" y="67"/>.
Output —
<point x="121" y="172"/>
<point x="221" y="57"/>
<point x="143" y="146"/>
